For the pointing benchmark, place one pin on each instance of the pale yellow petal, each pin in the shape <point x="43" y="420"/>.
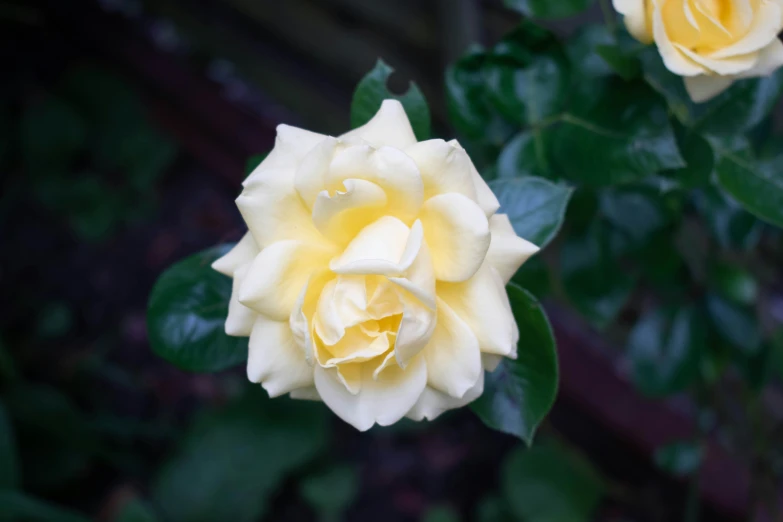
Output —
<point x="275" y="360"/>
<point x="507" y="251"/>
<point x="390" y="126"/>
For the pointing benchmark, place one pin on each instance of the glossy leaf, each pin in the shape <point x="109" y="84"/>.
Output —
<point x="698" y="156"/>
<point x="548" y="8"/>
<point x="623" y="135"/>
<point x="592" y="280"/>
<point x="637" y="212"/>
<point x="527" y="75"/>
<point x="231" y="461"/>
<point x="681" y="458"/>
<point x="536" y="207"/>
<point x="525" y="155"/>
<point x="757" y="186"/>
<point x="665" y="348"/>
<point x="627" y="66"/>
<point x="187" y="313"/>
<point x="373" y="89"/>
<point x="551" y="484"/>
<point x="734" y="283"/>
<point x="9" y="467"/>
<point x="737" y="324"/>
<point x="519" y="393"/>
<point x="730" y="224"/>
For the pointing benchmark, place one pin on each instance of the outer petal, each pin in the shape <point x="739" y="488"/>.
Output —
<point x="240" y="320"/>
<point x="635" y="17"/>
<point x="242" y="253"/>
<point x="453" y="355"/>
<point x="482" y="302"/>
<point x="770" y="59"/>
<point x="432" y="402"/>
<point x="277" y="276"/>
<point x="444" y="168"/>
<point x="507" y="251"/>
<point x="723" y="66"/>
<point x="486" y="198"/>
<point x="274" y="212"/>
<point x="764" y="29"/>
<point x="305" y="394"/>
<point x="275" y="360"/>
<point x="457" y="233"/>
<point x="291" y="145"/>
<point x="383" y="401"/>
<point x="389" y="126"/>
<point x="674" y="60"/>
<point x="416" y="328"/>
<point x="702" y="88"/>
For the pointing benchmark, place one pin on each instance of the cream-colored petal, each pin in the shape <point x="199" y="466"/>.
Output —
<point x="277" y="276"/>
<point x="291" y="145"/>
<point x="274" y="212"/>
<point x="305" y="394"/>
<point x="240" y="320"/>
<point x="242" y="253"/>
<point x="416" y="328"/>
<point x="341" y="216"/>
<point x="305" y="307"/>
<point x="490" y="361"/>
<point x="764" y="29"/>
<point x="486" y="198"/>
<point x="770" y="59"/>
<point x="453" y="355"/>
<point x="444" y="168"/>
<point x="702" y="88"/>
<point x="723" y="66"/>
<point x="419" y="277"/>
<point x="274" y="359"/>
<point x="390" y="126"/>
<point x="482" y="302"/>
<point x="457" y="233"/>
<point x="385" y="247"/>
<point x="635" y="18"/>
<point x="342" y="304"/>
<point x="389" y="168"/>
<point x="672" y="56"/>
<point x="357" y="348"/>
<point x="507" y="251"/>
<point x="312" y="171"/>
<point x="383" y="401"/>
<point x="433" y="403"/>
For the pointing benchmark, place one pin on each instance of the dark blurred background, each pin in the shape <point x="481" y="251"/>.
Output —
<point x="124" y="130"/>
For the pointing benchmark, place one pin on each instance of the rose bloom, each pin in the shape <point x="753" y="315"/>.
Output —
<point x="373" y="273"/>
<point x="709" y="42"/>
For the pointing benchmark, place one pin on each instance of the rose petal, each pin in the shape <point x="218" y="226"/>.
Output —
<point x="723" y="66"/>
<point x="484" y="196"/>
<point x="507" y="251"/>
<point x="240" y="320"/>
<point x="390" y="126"/>
<point x="674" y="60"/>
<point x="291" y="145"/>
<point x="432" y="403"/>
<point x="383" y="401"/>
<point x="764" y="29"/>
<point x="274" y="360"/>
<point x="341" y="216"/>
<point x="444" y="168"/>
<point x="635" y="18"/>
<point x="702" y="88"/>
<point x="242" y="253"/>
<point x="770" y="59"/>
<point x="385" y="247"/>
<point x="457" y="233"/>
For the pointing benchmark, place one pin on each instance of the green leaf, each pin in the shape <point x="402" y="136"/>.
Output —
<point x="136" y="511"/>
<point x="734" y="283"/>
<point x="637" y="212"/>
<point x="373" y="89"/>
<point x="627" y="66"/>
<point x="681" y="458"/>
<point x="9" y="468"/>
<point x="519" y="393"/>
<point x="698" y="155"/>
<point x="53" y="134"/>
<point x="582" y="50"/>
<point x="534" y="277"/>
<point x="730" y="224"/>
<point x="548" y="8"/>
<point x="524" y="155"/>
<point x="737" y="324"/>
<point x="551" y="484"/>
<point x="665" y="348"/>
<point x="527" y="75"/>
<point x="592" y="280"/>
<point x="757" y="186"/>
<point x="332" y="492"/>
<point x="231" y="461"/>
<point x="16" y="506"/>
<point x="187" y="313"/>
<point x="536" y="207"/>
<point x="619" y="135"/>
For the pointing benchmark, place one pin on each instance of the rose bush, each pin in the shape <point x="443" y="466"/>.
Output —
<point x="711" y="43"/>
<point x="373" y="273"/>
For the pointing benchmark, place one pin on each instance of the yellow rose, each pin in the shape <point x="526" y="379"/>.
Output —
<point x="373" y="273"/>
<point x="709" y="42"/>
